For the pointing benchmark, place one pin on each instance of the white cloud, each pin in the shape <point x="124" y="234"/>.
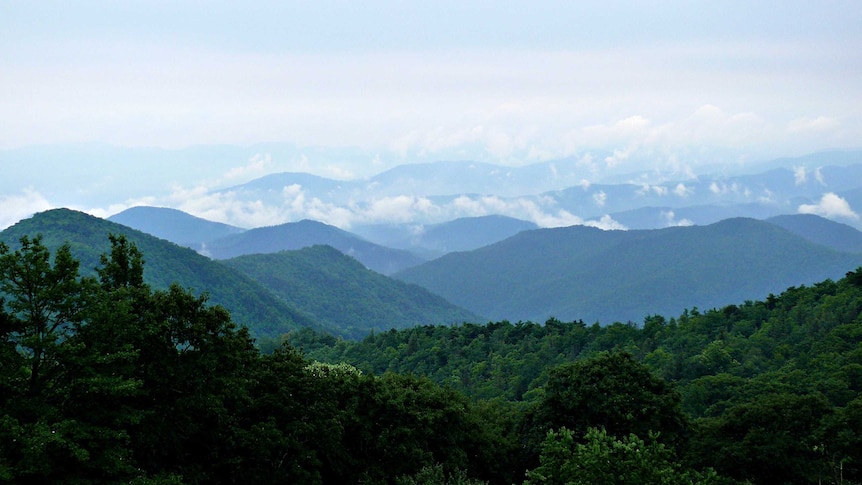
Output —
<point x="258" y="165"/>
<point x="561" y="218"/>
<point x="400" y="208"/>
<point x="671" y="220"/>
<point x="723" y="188"/>
<point x="830" y="205"/>
<point x="17" y="207"/>
<point x="606" y="223"/>
<point x="647" y="188"/>
<point x="683" y="191"/>
<point x="767" y="198"/>
<point x="339" y="173"/>
<point x="799" y="175"/>
<point x="818" y="124"/>
<point x="818" y="175"/>
<point x="600" y="198"/>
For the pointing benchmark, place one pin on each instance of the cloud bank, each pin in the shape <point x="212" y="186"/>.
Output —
<point x="830" y="206"/>
<point x="19" y="206"/>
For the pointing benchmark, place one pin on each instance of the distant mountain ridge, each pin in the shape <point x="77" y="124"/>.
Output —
<point x="339" y="292"/>
<point x="584" y="273"/>
<point x="560" y="192"/>
<point x="305" y="233"/>
<point x="435" y="240"/>
<point x="384" y="248"/>
<point x="816" y="229"/>
<point x="271" y="294"/>
<point x="174" y="225"/>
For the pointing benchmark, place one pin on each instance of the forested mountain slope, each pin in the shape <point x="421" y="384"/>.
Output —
<point x="773" y="387"/>
<point x="297" y="235"/>
<point x="104" y="380"/>
<point x="338" y="291"/>
<point x="585" y="273"/>
<point x="167" y="263"/>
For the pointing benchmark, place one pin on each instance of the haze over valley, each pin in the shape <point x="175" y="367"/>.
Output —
<point x="450" y="242"/>
<point x="470" y="163"/>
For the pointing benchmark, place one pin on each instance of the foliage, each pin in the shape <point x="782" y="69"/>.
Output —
<point x="105" y="379"/>
<point x="436" y="475"/>
<point x="802" y="346"/>
<point x="87" y="237"/>
<point x="603" y="459"/>
<point x="340" y="293"/>
<point x="614" y="392"/>
<point x="109" y="380"/>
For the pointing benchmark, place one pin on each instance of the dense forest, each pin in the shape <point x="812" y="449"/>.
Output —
<point x="104" y="380"/>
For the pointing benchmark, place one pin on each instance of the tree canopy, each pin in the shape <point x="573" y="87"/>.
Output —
<point x="104" y="379"/>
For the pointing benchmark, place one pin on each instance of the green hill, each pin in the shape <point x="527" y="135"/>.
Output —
<point x="298" y="235"/>
<point x="249" y="303"/>
<point x="585" y="273"/>
<point x="339" y="292"/>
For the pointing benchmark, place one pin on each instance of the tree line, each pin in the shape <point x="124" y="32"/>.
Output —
<point x="105" y="380"/>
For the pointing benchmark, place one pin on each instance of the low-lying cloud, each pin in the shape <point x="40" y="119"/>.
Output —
<point x="19" y="206"/>
<point x="295" y="203"/>
<point x="831" y="206"/>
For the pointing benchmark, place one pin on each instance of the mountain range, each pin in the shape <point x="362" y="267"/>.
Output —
<point x="333" y="293"/>
<point x="165" y="263"/>
<point x="385" y="248"/>
<point x="559" y="193"/>
<point x="575" y="272"/>
<point x="585" y="273"/>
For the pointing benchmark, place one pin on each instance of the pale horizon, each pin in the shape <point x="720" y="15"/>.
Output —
<point x="355" y="89"/>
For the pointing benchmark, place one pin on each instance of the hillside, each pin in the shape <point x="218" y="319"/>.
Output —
<point x="339" y="292"/>
<point x="174" y="225"/>
<point x="166" y="263"/>
<point x="584" y="273"/>
<point x="794" y="354"/>
<point x="463" y="234"/>
<point x="297" y="235"/>
<point x="816" y="229"/>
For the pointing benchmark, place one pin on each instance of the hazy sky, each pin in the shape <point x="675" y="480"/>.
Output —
<point x="506" y="82"/>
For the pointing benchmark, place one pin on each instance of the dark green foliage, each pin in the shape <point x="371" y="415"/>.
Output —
<point x="337" y="291"/>
<point x="771" y="439"/>
<point x="600" y="458"/>
<point x="107" y="380"/>
<point x="87" y="238"/>
<point x="803" y="347"/>
<point x="613" y="392"/>
<point x="436" y="475"/>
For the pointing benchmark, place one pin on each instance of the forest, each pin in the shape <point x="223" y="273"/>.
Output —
<point x="105" y="380"/>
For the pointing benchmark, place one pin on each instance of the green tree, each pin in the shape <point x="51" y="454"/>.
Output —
<point x="44" y="302"/>
<point x="603" y="459"/>
<point x="614" y="392"/>
<point x="771" y="439"/>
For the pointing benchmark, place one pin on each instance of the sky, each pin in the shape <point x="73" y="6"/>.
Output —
<point x="357" y="87"/>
